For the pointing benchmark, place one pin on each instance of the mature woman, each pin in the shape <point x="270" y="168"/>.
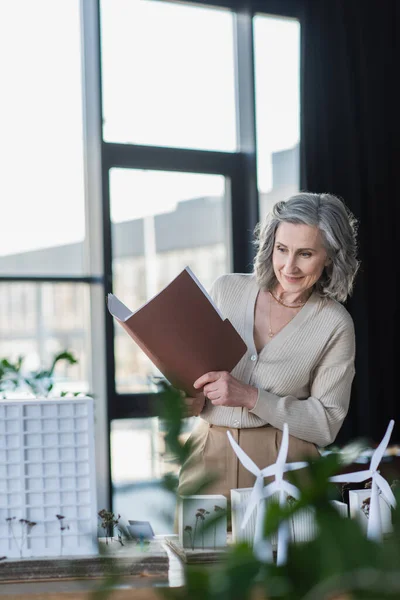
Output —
<point x="299" y="366"/>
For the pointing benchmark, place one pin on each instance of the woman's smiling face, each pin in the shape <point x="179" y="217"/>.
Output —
<point x="299" y="257"/>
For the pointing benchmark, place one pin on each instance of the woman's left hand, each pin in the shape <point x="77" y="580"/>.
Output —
<point x="225" y="390"/>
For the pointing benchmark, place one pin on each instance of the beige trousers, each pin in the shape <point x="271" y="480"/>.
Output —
<point x="212" y="454"/>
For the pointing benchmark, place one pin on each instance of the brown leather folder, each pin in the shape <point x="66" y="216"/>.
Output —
<point x="182" y="332"/>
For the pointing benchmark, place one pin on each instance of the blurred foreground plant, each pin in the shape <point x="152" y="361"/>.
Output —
<point x="340" y="563"/>
<point x="171" y="408"/>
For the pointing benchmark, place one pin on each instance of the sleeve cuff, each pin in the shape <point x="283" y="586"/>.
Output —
<point x="266" y="405"/>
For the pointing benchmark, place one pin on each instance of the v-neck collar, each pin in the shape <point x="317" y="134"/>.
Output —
<point x="286" y="331"/>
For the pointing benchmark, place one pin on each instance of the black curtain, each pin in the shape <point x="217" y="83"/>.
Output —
<point x="351" y="147"/>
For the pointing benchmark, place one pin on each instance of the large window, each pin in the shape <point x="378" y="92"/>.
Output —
<point x="176" y="82"/>
<point x="277" y="83"/>
<point x="133" y="133"/>
<point x="137" y="490"/>
<point x="161" y="223"/>
<point x="41" y="146"/>
<point x="41" y="320"/>
<point x="45" y="278"/>
<point x="168" y="74"/>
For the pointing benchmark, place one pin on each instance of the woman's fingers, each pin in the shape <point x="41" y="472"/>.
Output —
<point x="211" y="392"/>
<point x="194" y="406"/>
<point x="209" y="378"/>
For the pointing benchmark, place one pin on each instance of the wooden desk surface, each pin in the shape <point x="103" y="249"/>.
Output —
<point x="78" y="594"/>
<point x="143" y="587"/>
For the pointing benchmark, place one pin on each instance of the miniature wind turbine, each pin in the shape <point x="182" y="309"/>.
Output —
<point x="262" y="547"/>
<point x="374" y="530"/>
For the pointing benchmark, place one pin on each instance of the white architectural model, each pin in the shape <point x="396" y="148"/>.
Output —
<point x="240" y="499"/>
<point x="380" y="488"/>
<point x="199" y="525"/>
<point x="360" y="511"/>
<point x="47" y="478"/>
<point x="302" y="526"/>
<point x="262" y="546"/>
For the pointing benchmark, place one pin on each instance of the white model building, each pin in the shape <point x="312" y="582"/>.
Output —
<point x="199" y="527"/>
<point x="47" y="477"/>
<point x="303" y="526"/>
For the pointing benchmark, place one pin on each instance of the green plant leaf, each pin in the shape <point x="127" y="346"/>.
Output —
<point x="65" y="355"/>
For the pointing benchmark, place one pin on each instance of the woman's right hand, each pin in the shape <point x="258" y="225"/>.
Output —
<point x="195" y="405"/>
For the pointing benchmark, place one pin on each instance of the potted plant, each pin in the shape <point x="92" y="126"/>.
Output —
<point x="40" y="382"/>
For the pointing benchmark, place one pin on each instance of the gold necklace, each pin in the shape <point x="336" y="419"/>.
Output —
<point x="286" y="305"/>
<point x="270" y="332"/>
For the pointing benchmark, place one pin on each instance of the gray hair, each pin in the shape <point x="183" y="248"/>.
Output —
<point x="338" y="228"/>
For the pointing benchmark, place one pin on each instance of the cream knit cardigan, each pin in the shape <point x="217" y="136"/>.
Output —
<point x="303" y="375"/>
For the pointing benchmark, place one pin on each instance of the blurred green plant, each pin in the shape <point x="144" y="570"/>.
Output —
<point x="171" y="408"/>
<point x="340" y="563"/>
<point x="13" y="377"/>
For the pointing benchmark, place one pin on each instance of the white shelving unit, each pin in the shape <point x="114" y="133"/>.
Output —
<point x="47" y="468"/>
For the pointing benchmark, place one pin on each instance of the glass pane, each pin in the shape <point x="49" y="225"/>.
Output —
<point x="41" y="151"/>
<point x="138" y="493"/>
<point x="39" y="321"/>
<point x="168" y="75"/>
<point x="277" y="79"/>
<point x="161" y="223"/>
